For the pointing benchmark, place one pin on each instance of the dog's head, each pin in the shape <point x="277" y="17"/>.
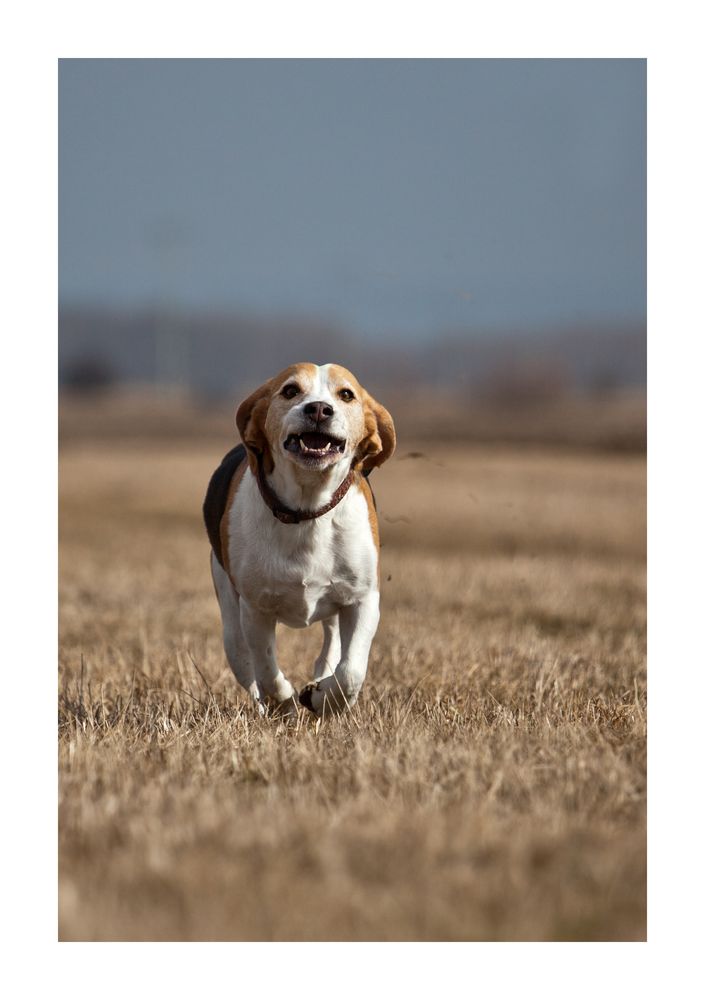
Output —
<point x="315" y="417"/>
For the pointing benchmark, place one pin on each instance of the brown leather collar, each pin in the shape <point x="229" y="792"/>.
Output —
<point x="288" y="516"/>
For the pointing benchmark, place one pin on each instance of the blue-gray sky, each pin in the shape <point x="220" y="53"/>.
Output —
<point x="391" y="197"/>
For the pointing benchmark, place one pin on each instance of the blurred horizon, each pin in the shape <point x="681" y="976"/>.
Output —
<point x="462" y="214"/>
<point x="215" y="354"/>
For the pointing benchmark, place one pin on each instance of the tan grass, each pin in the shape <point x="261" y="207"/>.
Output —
<point x="490" y="784"/>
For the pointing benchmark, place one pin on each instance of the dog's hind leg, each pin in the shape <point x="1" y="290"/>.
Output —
<point x="236" y="651"/>
<point x="329" y="655"/>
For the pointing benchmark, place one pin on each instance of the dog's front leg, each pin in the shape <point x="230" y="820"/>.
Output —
<point x="258" y="630"/>
<point x="358" y="624"/>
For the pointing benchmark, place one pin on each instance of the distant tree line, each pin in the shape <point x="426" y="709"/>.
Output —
<point x="216" y="354"/>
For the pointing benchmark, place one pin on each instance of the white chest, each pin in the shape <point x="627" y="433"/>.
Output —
<point x="301" y="573"/>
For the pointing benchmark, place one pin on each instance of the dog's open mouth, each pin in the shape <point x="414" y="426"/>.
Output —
<point x="314" y="445"/>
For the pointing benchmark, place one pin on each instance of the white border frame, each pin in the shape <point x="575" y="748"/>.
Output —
<point x="34" y="38"/>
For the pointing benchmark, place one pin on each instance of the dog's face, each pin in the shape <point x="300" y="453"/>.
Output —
<point x="315" y="417"/>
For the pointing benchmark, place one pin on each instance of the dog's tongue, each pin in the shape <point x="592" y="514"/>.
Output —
<point x="315" y="441"/>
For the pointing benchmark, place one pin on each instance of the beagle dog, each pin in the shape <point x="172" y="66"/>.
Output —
<point x="293" y="529"/>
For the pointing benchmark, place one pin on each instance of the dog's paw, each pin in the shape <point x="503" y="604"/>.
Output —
<point x="306" y="697"/>
<point x="287" y="710"/>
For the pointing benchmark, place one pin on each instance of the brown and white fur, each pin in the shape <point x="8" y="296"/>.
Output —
<point x="325" y="569"/>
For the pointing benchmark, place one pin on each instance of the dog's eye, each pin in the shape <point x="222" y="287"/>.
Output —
<point x="346" y="395"/>
<point x="291" y="390"/>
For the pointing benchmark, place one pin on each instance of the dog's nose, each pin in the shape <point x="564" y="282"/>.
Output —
<point x="319" y="412"/>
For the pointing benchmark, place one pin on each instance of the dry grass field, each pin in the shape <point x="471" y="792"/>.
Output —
<point x="490" y="783"/>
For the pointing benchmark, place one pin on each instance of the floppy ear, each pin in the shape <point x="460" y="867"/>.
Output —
<point x="250" y="418"/>
<point x="380" y="437"/>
